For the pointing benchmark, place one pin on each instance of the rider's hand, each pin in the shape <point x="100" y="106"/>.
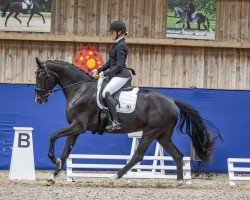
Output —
<point x="94" y="73"/>
<point x="96" y="76"/>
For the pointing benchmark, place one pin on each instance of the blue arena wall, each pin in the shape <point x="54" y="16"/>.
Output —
<point x="228" y="110"/>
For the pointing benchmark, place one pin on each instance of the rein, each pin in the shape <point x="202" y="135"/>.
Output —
<point x="48" y="74"/>
<point x="54" y="91"/>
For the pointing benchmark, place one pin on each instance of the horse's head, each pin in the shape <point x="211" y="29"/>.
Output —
<point x="178" y="10"/>
<point x="45" y="82"/>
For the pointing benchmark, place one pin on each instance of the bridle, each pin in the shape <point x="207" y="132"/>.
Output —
<point x="43" y="91"/>
<point x="46" y="92"/>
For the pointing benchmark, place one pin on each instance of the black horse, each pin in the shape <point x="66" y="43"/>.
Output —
<point x="155" y="114"/>
<point x="199" y="19"/>
<point x="16" y="7"/>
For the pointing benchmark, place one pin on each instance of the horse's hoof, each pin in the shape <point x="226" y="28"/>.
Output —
<point x="51" y="181"/>
<point x="180" y="182"/>
<point x="114" y="177"/>
<point x="58" y="163"/>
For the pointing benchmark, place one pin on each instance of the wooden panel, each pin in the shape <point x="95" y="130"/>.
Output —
<point x="124" y="10"/>
<point x="82" y="18"/>
<point x="159" y="62"/>
<point x="93" y="29"/>
<point x="156" y="66"/>
<point x="245" y="20"/>
<point x="70" y="9"/>
<point x="103" y="18"/>
<point x="233" y="20"/>
<point x="137" y="23"/>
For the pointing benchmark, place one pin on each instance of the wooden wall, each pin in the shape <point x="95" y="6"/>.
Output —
<point x="156" y="65"/>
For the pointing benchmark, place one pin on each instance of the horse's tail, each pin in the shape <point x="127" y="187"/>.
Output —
<point x="5" y="9"/>
<point x="197" y="131"/>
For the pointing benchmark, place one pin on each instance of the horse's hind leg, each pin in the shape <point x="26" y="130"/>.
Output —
<point x="206" y="29"/>
<point x="42" y="17"/>
<point x="15" y="16"/>
<point x="147" y="138"/>
<point x="166" y="142"/>
<point x="199" y="25"/>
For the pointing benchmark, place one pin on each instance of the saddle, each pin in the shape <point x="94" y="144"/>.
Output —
<point x="125" y="100"/>
<point x="192" y="16"/>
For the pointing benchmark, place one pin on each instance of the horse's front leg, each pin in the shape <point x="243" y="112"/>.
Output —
<point x="72" y="129"/>
<point x="67" y="149"/>
<point x="183" y="28"/>
<point x="177" y="24"/>
<point x="15" y="16"/>
<point x="8" y="16"/>
<point x="42" y="17"/>
<point x="31" y="15"/>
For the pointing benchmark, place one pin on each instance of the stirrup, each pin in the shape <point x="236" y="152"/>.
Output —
<point x="115" y="125"/>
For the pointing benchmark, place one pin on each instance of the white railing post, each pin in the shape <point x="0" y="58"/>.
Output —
<point x="69" y="169"/>
<point x="187" y="170"/>
<point x="158" y="152"/>
<point x="230" y="172"/>
<point x="232" y="169"/>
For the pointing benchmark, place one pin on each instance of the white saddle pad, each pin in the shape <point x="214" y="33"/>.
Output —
<point x="127" y="100"/>
<point x="193" y="15"/>
<point x="25" y="6"/>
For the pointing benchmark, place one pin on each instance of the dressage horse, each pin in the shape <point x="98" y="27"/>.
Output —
<point x="155" y="114"/>
<point x="16" y="7"/>
<point x="199" y="19"/>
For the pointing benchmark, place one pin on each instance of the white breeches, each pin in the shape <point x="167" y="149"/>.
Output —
<point x="114" y="85"/>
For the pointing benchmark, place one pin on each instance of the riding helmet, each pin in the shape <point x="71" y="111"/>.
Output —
<point x="118" y="26"/>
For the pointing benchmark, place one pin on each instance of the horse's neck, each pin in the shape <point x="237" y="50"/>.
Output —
<point x="70" y="79"/>
<point x="180" y="10"/>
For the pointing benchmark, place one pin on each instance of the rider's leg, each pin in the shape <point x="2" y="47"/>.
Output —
<point x="111" y="106"/>
<point x="113" y="86"/>
<point x="189" y="15"/>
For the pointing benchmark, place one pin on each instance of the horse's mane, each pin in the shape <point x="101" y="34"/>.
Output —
<point x="60" y="63"/>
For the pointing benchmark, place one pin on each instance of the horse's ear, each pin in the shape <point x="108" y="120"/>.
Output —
<point x="39" y="63"/>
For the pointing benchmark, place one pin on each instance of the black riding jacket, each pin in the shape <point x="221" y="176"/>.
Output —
<point x="116" y="65"/>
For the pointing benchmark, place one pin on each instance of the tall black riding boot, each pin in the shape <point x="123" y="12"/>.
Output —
<point x="115" y="125"/>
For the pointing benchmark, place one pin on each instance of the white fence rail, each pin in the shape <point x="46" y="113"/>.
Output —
<point x="152" y="170"/>
<point x="241" y="172"/>
<point x="146" y="171"/>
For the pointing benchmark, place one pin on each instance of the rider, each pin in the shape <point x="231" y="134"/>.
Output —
<point x="191" y="10"/>
<point x="29" y="4"/>
<point x="115" y="69"/>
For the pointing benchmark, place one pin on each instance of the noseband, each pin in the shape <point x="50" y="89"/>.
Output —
<point x="48" y="73"/>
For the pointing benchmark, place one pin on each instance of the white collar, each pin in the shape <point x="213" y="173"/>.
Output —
<point x="119" y="39"/>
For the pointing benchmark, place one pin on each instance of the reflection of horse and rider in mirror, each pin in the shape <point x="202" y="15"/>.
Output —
<point x="30" y="7"/>
<point x="192" y="12"/>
